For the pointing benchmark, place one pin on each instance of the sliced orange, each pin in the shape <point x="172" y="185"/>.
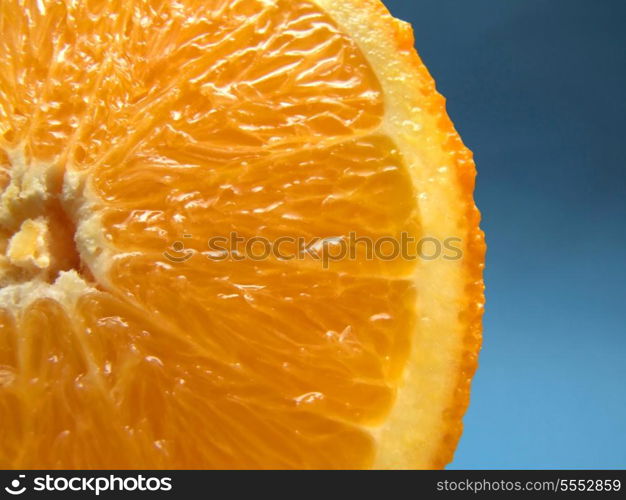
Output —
<point x="133" y="133"/>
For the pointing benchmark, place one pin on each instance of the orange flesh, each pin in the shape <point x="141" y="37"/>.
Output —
<point x="203" y="118"/>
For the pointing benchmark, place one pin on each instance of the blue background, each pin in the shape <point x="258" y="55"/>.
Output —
<point x="536" y="89"/>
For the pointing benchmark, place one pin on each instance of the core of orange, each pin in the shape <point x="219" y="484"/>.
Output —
<point x="135" y="132"/>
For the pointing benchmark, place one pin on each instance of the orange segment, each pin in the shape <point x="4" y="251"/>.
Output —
<point x="132" y="135"/>
<point x="198" y="77"/>
<point x="304" y="195"/>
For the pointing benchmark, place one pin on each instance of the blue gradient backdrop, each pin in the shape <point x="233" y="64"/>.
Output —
<point x="536" y="89"/>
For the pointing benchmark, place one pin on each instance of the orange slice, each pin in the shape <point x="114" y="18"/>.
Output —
<point x="135" y="136"/>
